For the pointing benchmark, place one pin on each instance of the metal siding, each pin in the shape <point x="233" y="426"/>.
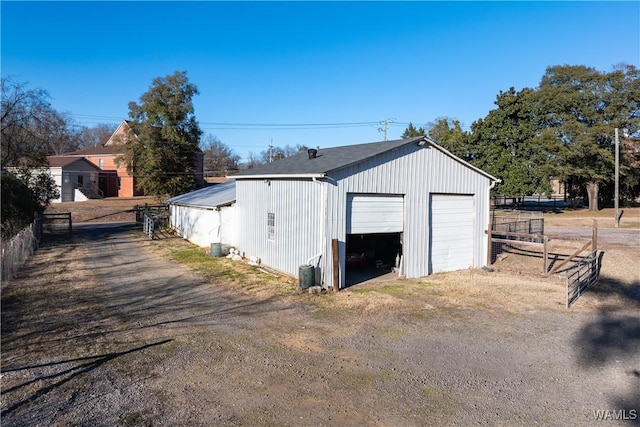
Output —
<point x="374" y="213"/>
<point x="228" y="225"/>
<point x="297" y="205"/>
<point x="415" y="172"/>
<point x="452" y="236"/>
<point x="197" y="225"/>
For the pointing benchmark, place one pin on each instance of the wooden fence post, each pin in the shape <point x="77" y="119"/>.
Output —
<point x="336" y="265"/>
<point x="489" y="246"/>
<point x="545" y="254"/>
<point x="594" y="235"/>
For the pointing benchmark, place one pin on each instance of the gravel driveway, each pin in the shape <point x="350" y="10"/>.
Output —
<point x="104" y="330"/>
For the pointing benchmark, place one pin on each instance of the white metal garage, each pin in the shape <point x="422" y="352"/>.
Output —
<point x="409" y="197"/>
<point x="452" y="236"/>
<point x="375" y="213"/>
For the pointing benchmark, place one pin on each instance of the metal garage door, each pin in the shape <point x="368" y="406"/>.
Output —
<point x="452" y="232"/>
<point x="375" y="213"/>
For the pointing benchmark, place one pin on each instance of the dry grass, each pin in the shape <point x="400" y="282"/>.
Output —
<point x="584" y="218"/>
<point x="113" y="209"/>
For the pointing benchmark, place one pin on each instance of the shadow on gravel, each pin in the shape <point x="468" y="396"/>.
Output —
<point x="62" y="377"/>
<point x="133" y="293"/>
<point x="103" y="292"/>
<point x="614" y="337"/>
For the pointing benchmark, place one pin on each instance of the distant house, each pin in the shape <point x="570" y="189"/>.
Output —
<point x="114" y="179"/>
<point x="76" y="178"/>
<point x="408" y="204"/>
<point x="207" y="215"/>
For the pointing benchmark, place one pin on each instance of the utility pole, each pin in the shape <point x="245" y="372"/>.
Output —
<point x="384" y="123"/>
<point x="615" y="200"/>
<point x="271" y="150"/>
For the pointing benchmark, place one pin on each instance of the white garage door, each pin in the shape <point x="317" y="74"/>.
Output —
<point x="375" y="213"/>
<point x="452" y="232"/>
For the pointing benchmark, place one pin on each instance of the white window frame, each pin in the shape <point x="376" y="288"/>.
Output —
<point x="271" y="227"/>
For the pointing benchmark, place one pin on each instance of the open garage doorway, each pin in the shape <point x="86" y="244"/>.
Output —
<point x="375" y="223"/>
<point x="369" y="256"/>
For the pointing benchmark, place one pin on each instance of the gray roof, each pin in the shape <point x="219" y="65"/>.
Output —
<point x="64" y="161"/>
<point x="330" y="159"/>
<point x="208" y="197"/>
<point x="327" y="159"/>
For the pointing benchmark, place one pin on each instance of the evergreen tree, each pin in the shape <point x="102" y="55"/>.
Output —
<point x="161" y="156"/>
<point x="449" y="134"/>
<point x="412" y="132"/>
<point x="506" y="144"/>
<point x="581" y="108"/>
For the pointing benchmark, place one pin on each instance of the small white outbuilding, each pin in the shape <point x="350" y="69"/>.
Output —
<point x="206" y="216"/>
<point x="75" y="178"/>
<point x="408" y="206"/>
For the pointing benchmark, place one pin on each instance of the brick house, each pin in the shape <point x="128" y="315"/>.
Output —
<point x="114" y="179"/>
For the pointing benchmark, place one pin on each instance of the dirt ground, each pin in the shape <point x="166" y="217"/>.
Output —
<point x="110" y="328"/>
<point x="111" y="209"/>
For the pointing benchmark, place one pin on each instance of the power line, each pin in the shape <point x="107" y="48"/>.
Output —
<point x="90" y="118"/>
<point x="385" y="123"/>
<point x="289" y="124"/>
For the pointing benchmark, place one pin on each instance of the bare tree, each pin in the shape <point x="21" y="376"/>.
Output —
<point x="24" y="115"/>
<point x="219" y="159"/>
<point x="89" y="137"/>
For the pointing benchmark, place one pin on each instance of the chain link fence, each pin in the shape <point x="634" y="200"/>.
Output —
<point x="529" y="222"/>
<point x="517" y="241"/>
<point x="18" y="249"/>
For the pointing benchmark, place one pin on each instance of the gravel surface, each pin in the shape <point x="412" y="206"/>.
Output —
<point x="103" y="329"/>
<point x="617" y="236"/>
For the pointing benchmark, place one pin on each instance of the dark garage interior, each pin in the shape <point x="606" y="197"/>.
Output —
<point x="371" y="255"/>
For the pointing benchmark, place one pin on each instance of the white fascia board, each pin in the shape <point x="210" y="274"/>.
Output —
<point x="279" y="176"/>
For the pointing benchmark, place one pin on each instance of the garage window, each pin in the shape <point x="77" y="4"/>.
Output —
<point x="271" y="227"/>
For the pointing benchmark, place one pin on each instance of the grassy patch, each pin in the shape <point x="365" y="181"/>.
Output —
<point x="400" y="290"/>
<point x="189" y="255"/>
<point x="393" y="333"/>
<point x="248" y="277"/>
<point x="439" y="401"/>
<point x="393" y="290"/>
<point x="134" y="419"/>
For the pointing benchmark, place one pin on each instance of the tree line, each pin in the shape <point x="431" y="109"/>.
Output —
<point x="563" y="129"/>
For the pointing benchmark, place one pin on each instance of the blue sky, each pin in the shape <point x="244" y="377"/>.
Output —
<point x="315" y="73"/>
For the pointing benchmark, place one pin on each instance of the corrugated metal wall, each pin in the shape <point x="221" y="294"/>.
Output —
<point x="204" y="226"/>
<point x="412" y="171"/>
<point x="298" y="209"/>
<point x="415" y="172"/>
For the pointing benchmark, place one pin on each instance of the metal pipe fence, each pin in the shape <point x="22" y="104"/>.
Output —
<point x="583" y="275"/>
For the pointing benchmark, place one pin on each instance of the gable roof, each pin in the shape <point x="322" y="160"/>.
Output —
<point x="208" y="197"/>
<point x="330" y="159"/>
<point x="64" y="161"/>
<point x="96" y="151"/>
<point x="118" y="135"/>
